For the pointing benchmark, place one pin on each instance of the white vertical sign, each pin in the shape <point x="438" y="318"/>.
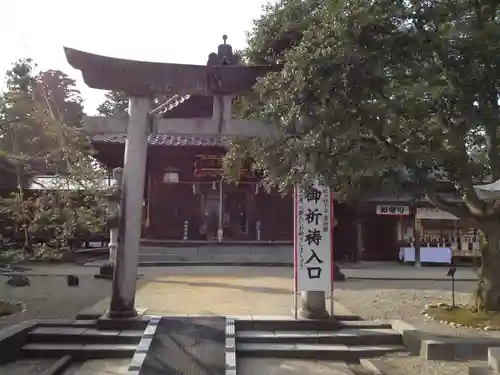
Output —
<point x="312" y="242"/>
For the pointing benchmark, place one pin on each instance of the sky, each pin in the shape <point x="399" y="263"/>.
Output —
<point x="176" y="31"/>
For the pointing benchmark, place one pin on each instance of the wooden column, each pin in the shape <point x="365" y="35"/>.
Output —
<point x="130" y="222"/>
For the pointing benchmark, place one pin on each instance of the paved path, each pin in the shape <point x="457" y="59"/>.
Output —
<point x="235" y="293"/>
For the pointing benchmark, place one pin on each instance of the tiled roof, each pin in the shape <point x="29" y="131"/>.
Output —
<point x="161" y="140"/>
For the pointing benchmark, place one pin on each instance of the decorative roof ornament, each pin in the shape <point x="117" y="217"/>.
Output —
<point x="224" y="55"/>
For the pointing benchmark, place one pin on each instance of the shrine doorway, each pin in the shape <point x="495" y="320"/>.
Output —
<point x="236" y="215"/>
<point x="233" y="208"/>
<point x="210" y="208"/>
<point x="380" y="238"/>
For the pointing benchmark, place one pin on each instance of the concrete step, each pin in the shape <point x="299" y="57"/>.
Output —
<point x="78" y="351"/>
<point x="145" y="259"/>
<point x="89" y="314"/>
<point x="481" y="370"/>
<point x="365" y="324"/>
<point x="113" y="324"/>
<point x="244" y="253"/>
<point x="315" y="351"/>
<point x="272" y="324"/>
<point x="75" y="335"/>
<point x="344" y="337"/>
<point x="79" y="323"/>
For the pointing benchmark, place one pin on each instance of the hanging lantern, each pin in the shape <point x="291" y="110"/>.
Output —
<point x="214" y="185"/>
<point x="195" y="189"/>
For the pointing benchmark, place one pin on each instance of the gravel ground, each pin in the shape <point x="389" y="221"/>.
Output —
<point x="49" y="297"/>
<point x="405" y="300"/>
<point x="26" y="367"/>
<point x="406" y="365"/>
<point x="378" y="299"/>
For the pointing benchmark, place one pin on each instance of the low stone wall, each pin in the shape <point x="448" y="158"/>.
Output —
<point x="445" y="348"/>
<point x="272" y="254"/>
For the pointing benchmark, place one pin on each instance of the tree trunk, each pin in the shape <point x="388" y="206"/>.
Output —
<point x="487" y="294"/>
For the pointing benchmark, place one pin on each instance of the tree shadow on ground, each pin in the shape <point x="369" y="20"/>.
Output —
<point x="445" y="286"/>
<point x="244" y="288"/>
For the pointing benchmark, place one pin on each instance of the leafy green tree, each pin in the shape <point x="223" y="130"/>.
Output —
<point x="390" y="90"/>
<point x="115" y="103"/>
<point x="40" y="124"/>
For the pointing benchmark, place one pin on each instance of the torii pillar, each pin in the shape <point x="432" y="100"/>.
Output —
<point x="130" y="218"/>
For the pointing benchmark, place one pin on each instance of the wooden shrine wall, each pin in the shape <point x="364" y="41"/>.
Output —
<point x="168" y="206"/>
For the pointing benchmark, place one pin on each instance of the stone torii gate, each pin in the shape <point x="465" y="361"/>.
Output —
<point x="222" y="78"/>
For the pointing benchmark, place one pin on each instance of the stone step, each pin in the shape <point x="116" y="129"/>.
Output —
<point x="315" y="351"/>
<point x="114" y="324"/>
<point x="366" y="324"/>
<point x="81" y="323"/>
<point x="344" y="336"/>
<point x="481" y="370"/>
<point x="78" y="351"/>
<point x="89" y="314"/>
<point x="306" y="325"/>
<point x="83" y="335"/>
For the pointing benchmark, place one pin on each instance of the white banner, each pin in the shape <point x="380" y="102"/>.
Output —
<point x="390" y="209"/>
<point x="312" y="242"/>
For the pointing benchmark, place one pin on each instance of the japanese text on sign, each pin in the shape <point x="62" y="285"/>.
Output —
<point x="313" y="238"/>
<point x="393" y="210"/>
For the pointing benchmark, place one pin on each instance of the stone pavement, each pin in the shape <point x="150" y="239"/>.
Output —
<point x="277" y="366"/>
<point x="245" y="366"/>
<point x="104" y="367"/>
<point x="268" y="290"/>
<point x="235" y="293"/>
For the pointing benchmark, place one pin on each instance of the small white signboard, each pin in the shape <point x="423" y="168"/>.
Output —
<point x="390" y="209"/>
<point x="313" y="239"/>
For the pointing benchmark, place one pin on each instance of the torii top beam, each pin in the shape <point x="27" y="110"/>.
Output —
<point x="224" y="76"/>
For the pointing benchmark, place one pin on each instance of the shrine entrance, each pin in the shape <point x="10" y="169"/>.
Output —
<point x="235" y="215"/>
<point x="210" y="208"/>
<point x="226" y="209"/>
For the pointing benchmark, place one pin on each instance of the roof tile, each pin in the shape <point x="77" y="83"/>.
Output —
<point x="161" y="139"/>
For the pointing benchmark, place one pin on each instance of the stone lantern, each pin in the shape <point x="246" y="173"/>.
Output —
<point x="113" y="195"/>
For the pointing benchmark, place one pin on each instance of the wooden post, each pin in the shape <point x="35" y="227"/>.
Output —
<point x="359" y="240"/>
<point x="130" y="222"/>
<point x="417" y="232"/>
